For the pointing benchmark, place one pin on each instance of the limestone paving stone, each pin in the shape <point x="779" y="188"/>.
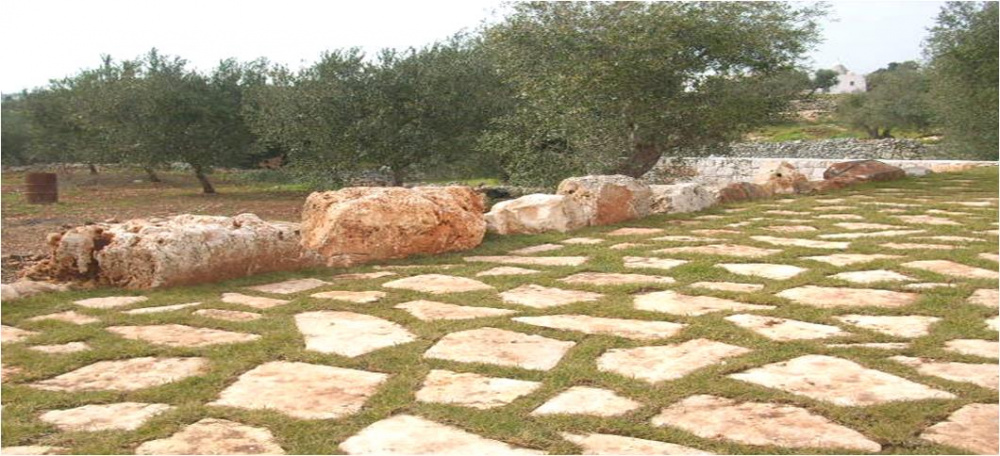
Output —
<point x="915" y="246"/>
<point x="332" y="392"/>
<point x="349" y="334"/>
<point x="868" y="234"/>
<point x="627" y="245"/>
<point x="993" y="323"/>
<point x="784" y="212"/>
<point x="608" y="444"/>
<point x="529" y="261"/>
<point x="500" y="347"/>
<point x="765" y="270"/>
<point x="838" y="381"/>
<point x="32" y="449"/>
<point x="631" y="329"/>
<point x="783" y="329"/>
<point x="536" y="249"/>
<point x="952" y="269"/>
<point x="409" y="434"/>
<point x="872" y="276"/>
<point x="160" y="309"/>
<point x="174" y="335"/>
<point x="8" y="372"/>
<point x="799" y="242"/>
<point x="990" y="256"/>
<point x="974" y="347"/>
<point x="71" y="316"/>
<point x="791" y="228"/>
<point x="733" y="250"/>
<point x="357" y="297"/>
<point x="715" y="232"/>
<point x="70" y="347"/>
<point x="110" y="302"/>
<point x="540" y="297"/>
<point x="908" y="326"/>
<point x="875" y="345"/>
<point x="839" y="216"/>
<point x="729" y="286"/>
<point x="472" y="390"/>
<point x="256" y="302"/>
<point x="952" y="238"/>
<point x="973" y="427"/>
<point x="506" y="270"/>
<point x="760" y="423"/>
<point x="364" y="275"/>
<point x="847" y="259"/>
<point x="828" y="297"/>
<point x="582" y="241"/>
<point x="215" y="436"/>
<point x="666" y="362"/>
<point x="432" y="310"/>
<point x="985" y="375"/>
<point x="228" y="315"/>
<point x="926" y="220"/>
<point x="865" y="226"/>
<point x="635" y="231"/>
<point x="940" y="212"/>
<point x="12" y="334"/>
<point x="634" y="262"/>
<point x="122" y="416"/>
<point x="612" y="278"/>
<point x="290" y="286"/>
<point x="682" y="238"/>
<point x="125" y="375"/>
<point x="585" y="400"/>
<point x="985" y="297"/>
<point x="437" y="284"/>
<point x="678" y="304"/>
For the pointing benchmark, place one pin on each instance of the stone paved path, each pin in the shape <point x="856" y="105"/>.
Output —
<point x="858" y="322"/>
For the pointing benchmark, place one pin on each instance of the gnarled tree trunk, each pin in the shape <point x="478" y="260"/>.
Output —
<point x="643" y="158"/>
<point x="152" y="174"/>
<point x="206" y="186"/>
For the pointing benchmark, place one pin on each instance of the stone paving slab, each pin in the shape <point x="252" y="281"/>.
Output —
<point x="71" y="316"/>
<point x="215" y="436"/>
<point x="908" y="326"/>
<point x="174" y="335"/>
<point x="733" y="250"/>
<point x="985" y="297"/>
<point x="160" y="309"/>
<point x="635" y="231"/>
<point x="529" y="261"/>
<point x="290" y="286"/>
<point x="349" y="334"/>
<point x="870" y="234"/>
<point x="953" y="269"/>
<point x="364" y="275"/>
<point x="728" y="286"/>
<point x="472" y="390"/>
<point x="32" y="449"/>
<point x="70" y="347"/>
<point x="500" y="347"/>
<point x="675" y="303"/>
<point x="973" y="427"/>
<point x="872" y="276"/>
<point x="666" y="362"/>
<point x="985" y="375"/>
<point x="256" y="302"/>
<point x="357" y="297"/>
<point x="634" y="262"/>
<point x="631" y="329"/>
<point x="125" y="375"/>
<point x="916" y="246"/>
<point x="582" y="241"/>
<point x="540" y="297"/>
<point x="409" y="434"/>
<point x="765" y="270"/>
<point x="798" y="242"/>
<point x="613" y="278"/>
<point x="228" y="315"/>
<point x="13" y="334"/>
<point x="608" y="444"/>
<point x="122" y="416"/>
<point x="828" y="297"/>
<point x="875" y="345"/>
<point x="783" y="329"/>
<point x="585" y="400"/>
<point x="110" y="302"/>
<point x="506" y="270"/>
<point x="437" y="284"/>
<point x="431" y="310"/>
<point x="974" y="347"/>
<point x="536" y="249"/>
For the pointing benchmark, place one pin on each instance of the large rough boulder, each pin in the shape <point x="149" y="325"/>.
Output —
<point x="536" y="213"/>
<point x="185" y="249"/>
<point x="785" y="180"/>
<point x="743" y="191"/>
<point x="864" y="171"/>
<point x="605" y="200"/>
<point x="24" y="288"/>
<point x="687" y="197"/>
<point x="360" y="224"/>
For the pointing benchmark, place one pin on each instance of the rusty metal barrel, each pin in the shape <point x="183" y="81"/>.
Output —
<point x="41" y="188"/>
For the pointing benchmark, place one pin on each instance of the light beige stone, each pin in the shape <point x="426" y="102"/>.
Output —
<point x="838" y="216"/>
<point x="71" y="347"/>
<point x="888" y="233"/>
<point x="12" y="334"/>
<point x="974" y="347"/>
<point x="215" y="436"/>
<point x="715" y="232"/>
<point x="838" y="381"/>
<point x="872" y="276"/>
<point x="682" y="238"/>
<point x="606" y="200"/>
<point x="290" y="286"/>
<point x="500" y="347"/>
<point x="962" y="239"/>
<point x="952" y="269"/>
<point x="928" y="285"/>
<point x="472" y="390"/>
<point x="228" y="315"/>
<point x="733" y="250"/>
<point x="828" y="297"/>
<point x="536" y="249"/>
<point x="582" y="241"/>
<point x="110" y="302"/>
<point x="915" y="246"/>
<point x="973" y="427"/>
<point x="627" y="245"/>
<point x="985" y="297"/>
<point x="783" y="329"/>
<point x="529" y="261"/>
<point x="408" y="434"/>
<point x="634" y="262"/>
<point x="798" y="242"/>
<point x="875" y="345"/>
<point x="32" y="449"/>
<point x="985" y="375"/>
<point x="535" y="213"/>
<point x="758" y="423"/>
<point x="631" y="329"/>
<point x="437" y="284"/>
<point x="666" y="362"/>
<point x="506" y="270"/>
<point x="256" y="302"/>
<point x="301" y="390"/>
<point x="847" y="259"/>
<point x="784" y="212"/>
<point x="584" y="400"/>
<point x="173" y="335"/>
<point x="926" y="220"/>
<point x="791" y="228"/>
<point x="125" y="375"/>
<point x="159" y="309"/>
<point x="908" y="326"/>
<point x="635" y="232"/>
<point x="728" y="286"/>
<point x="431" y="310"/>
<point x="540" y="297"/>
<point x="364" y="275"/>
<point x="7" y="372"/>
<point x="865" y="226"/>
<point x="989" y="256"/>
<point x="608" y="444"/>
<point x="71" y="316"/>
<point x="357" y="297"/>
<point x="675" y="303"/>
<point x="613" y="278"/>
<point x="765" y="270"/>
<point x="122" y="416"/>
<point x="993" y="323"/>
<point x="349" y="334"/>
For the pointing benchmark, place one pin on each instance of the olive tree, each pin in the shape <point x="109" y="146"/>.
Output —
<point x="896" y="99"/>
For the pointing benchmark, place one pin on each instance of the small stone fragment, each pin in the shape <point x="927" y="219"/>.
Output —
<point x="974" y="347"/>
<point x="651" y="263"/>
<point x="582" y="241"/>
<point x="611" y="278"/>
<point x="635" y="232"/>
<point x="872" y="276"/>
<point x="71" y="347"/>
<point x="985" y="375"/>
<point x="985" y="297"/>
<point x="583" y="400"/>
<point x="798" y="242"/>
<point x="158" y="309"/>
<point x="12" y="334"/>
<point x="729" y="286"/>
<point x="847" y="259"/>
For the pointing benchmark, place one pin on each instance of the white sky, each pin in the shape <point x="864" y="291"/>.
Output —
<point x="46" y="39"/>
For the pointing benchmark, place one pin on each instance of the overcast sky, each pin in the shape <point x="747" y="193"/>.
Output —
<point x="46" y="39"/>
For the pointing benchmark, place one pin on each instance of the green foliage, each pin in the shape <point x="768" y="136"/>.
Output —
<point x="16" y="126"/>
<point x="896" y="99"/>
<point x="823" y="79"/>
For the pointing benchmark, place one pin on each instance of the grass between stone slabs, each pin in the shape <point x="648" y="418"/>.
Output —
<point x="895" y="425"/>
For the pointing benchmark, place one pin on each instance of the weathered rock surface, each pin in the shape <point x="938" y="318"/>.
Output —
<point x="606" y="200"/>
<point x="973" y="427"/>
<point x="500" y="347"/>
<point x="25" y="287"/>
<point x="537" y="213"/>
<point x="863" y="171"/>
<point x="785" y="180"/>
<point x="408" y="434"/>
<point x="472" y="390"/>
<point x="743" y="191"/>
<point x="125" y="416"/>
<point x="125" y="375"/>
<point x="349" y="334"/>
<point x="215" y="436"/>
<point x="362" y="224"/>
<point x="686" y="197"/>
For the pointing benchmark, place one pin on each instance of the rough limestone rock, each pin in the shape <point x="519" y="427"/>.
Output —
<point x="686" y="197"/>
<point x="864" y="171"/>
<point x="180" y="250"/>
<point x="536" y="213"/>
<point x="917" y="171"/>
<point x="785" y="180"/>
<point x="361" y="224"/>
<point x="24" y="288"/>
<point x="743" y="191"/>
<point x="605" y="200"/>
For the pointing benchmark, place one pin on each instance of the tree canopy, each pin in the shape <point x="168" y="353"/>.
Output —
<point x="896" y="99"/>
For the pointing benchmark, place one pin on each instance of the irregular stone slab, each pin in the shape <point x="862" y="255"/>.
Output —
<point x="506" y="270"/>
<point x="829" y="297"/>
<point x="838" y="216"/>
<point x="431" y="310"/>
<point x="714" y="232"/>
<point x="963" y="239"/>
<point x="541" y="297"/>
<point x="437" y="284"/>
<point x="122" y="416"/>
<point x="791" y="228"/>
<point x="915" y="246"/>
<point x="758" y="423"/>
<point x="529" y="261"/>
<point x="612" y="278"/>
<point x="765" y="270"/>
<point x="583" y="400"/>
<point x="709" y="217"/>
<point x="973" y="427"/>
<point x="71" y="347"/>
<point x="783" y="329"/>
<point x="500" y="347"/>
<point x="125" y="375"/>
<point x="181" y="335"/>
<point x="8" y="372"/>
<point x="349" y="334"/>
<point x="676" y="238"/>
<point x="32" y="449"/>
<point x="675" y="303"/>
<point x="926" y="220"/>
<point x="290" y="286"/>
<point x="975" y="203"/>
<point x="228" y="315"/>
<point x="215" y="436"/>
<point x="974" y="347"/>
<point x="635" y="232"/>
<point x="784" y="212"/>
<point x="733" y="250"/>
<point x="798" y="242"/>
<point x="865" y="226"/>
<point x="872" y="276"/>
<point x="838" y="381"/>
<point x="12" y="334"/>
<point x="331" y="392"/>
<point x="582" y="241"/>
<point x="875" y="345"/>
<point x="71" y="316"/>
<point x="110" y="302"/>
<point x="536" y="249"/>
<point x="472" y="390"/>
<point x="993" y="323"/>
<point x="952" y="269"/>
<point x="985" y="375"/>
<point x="985" y="297"/>
<point x="608" y="444"/>
<point x="651" y="263"/>
<point x="908" y="326"/>
<point x="869" y="234"/>
<point x="627" y="245"/>
<point x="631" y="329"/>
<point x="158" y="309"/>
<point x="666" y="362"/>
<point x="847" y="259"/>
<point x="989" y="256"/>
<point x="364" y="275"/>
<point x="256" y="302"/>
<point x="357" y="297"/>
<point x="408" y="434"/>
<point x="728" y="286"/>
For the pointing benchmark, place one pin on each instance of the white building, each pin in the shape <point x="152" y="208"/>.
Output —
<point x="847" y="81"/>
